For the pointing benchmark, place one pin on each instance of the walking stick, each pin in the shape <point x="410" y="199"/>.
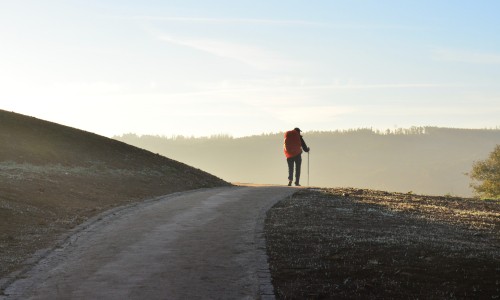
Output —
<point x="308" y="167"/>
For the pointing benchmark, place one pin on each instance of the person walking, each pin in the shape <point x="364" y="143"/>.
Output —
<point x="293" y="145"/>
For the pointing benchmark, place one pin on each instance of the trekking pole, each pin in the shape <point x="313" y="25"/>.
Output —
<point x="308" y="167"/>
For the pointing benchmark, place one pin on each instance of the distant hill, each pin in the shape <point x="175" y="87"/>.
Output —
<point x="53" y="177"/>
<point x="426" y="160"/>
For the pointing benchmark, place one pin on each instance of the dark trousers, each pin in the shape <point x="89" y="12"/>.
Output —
<point x="297" y="160"/>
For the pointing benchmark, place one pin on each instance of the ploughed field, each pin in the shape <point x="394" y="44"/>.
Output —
<point x="365" y="244"/>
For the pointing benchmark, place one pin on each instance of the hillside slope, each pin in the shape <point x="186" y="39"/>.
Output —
<point x="53" y="177"/>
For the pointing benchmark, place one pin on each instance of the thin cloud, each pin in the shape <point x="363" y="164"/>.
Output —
<point x="374" y="86"/>
<point x="227" y="20"/>
<point x="287" y="92"/>
<point x="249" y="55"/>
<point x="466" y="56"/>
<point x="275" y="22"/>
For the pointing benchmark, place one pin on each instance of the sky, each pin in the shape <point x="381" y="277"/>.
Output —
<point x="201" y="68"/>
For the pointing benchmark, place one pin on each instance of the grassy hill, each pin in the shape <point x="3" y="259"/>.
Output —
<point x="53" y="177"/>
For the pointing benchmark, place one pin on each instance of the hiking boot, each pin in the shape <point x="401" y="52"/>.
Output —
<point x="290" y="183"/>
<point x="297" y="184"/>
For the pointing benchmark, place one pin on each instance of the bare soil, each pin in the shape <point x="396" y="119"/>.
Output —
<point x="366" y="244"/>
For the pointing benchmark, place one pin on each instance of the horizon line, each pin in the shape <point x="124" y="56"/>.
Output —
<point x="381" y="131"/>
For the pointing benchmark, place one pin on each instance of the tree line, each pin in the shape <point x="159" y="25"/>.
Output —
<point x="428" y="160"/>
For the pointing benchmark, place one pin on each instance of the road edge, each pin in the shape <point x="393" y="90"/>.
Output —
<point x="266" y="288"/>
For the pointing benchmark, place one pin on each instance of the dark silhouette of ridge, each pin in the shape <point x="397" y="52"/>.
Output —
<point x="31" y="140"/>
<point x="53" y="177"/>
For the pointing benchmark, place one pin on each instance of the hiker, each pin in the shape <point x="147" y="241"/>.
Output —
<point x="294" y="143"/>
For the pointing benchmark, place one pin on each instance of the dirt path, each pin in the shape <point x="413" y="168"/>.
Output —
<point x="201" y="244"/>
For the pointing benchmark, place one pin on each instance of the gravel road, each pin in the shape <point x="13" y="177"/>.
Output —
<point x="203" y="244"/>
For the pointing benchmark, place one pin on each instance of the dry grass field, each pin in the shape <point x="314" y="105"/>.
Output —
<point x="366" y="244"/>
<point x="53" y="178"/>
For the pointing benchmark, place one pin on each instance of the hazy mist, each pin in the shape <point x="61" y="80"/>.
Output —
<point x="425" y="160"/>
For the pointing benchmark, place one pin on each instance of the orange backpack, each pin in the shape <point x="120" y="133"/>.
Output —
<point x="292" y="146"/>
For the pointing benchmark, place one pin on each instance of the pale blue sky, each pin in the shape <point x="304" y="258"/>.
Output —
<point x="248" y="67"/>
